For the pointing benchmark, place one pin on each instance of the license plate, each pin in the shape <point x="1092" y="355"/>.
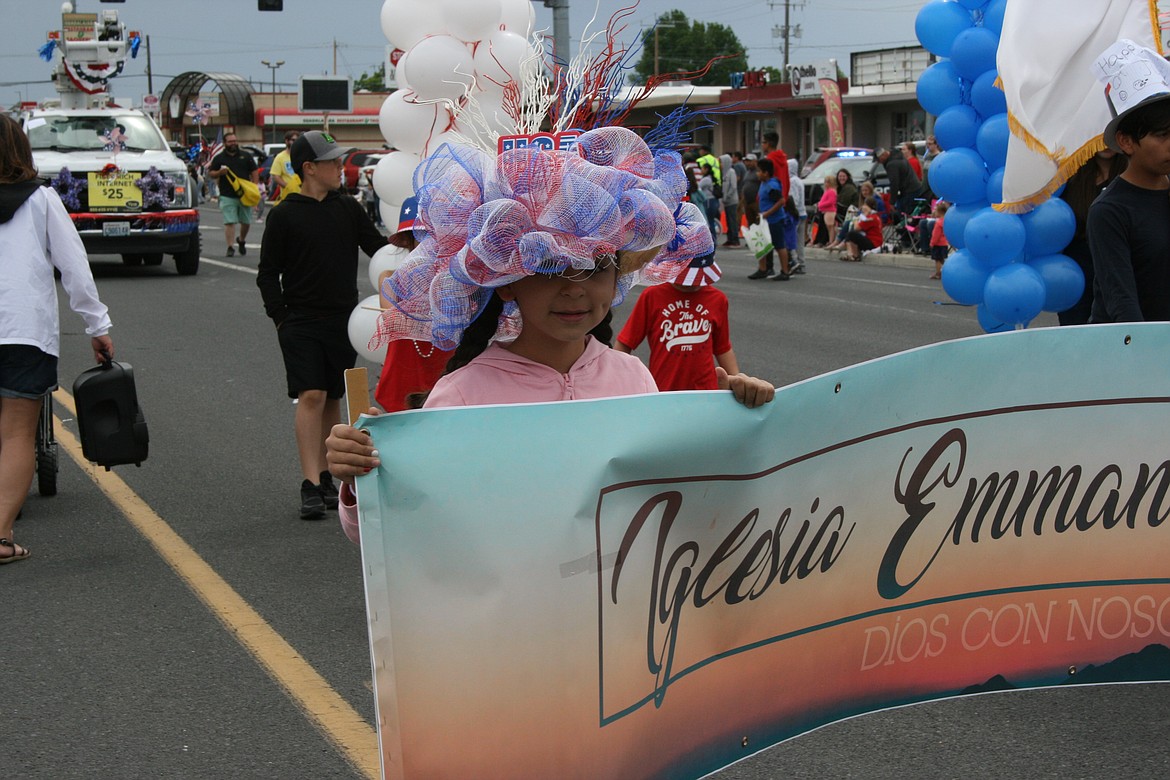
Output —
<point x="114" y="193"/>
<point x="116" y="229"/>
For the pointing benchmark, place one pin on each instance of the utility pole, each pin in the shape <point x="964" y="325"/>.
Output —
<point x="788" y="31"/>
<point x="561" y="46"/>
<point x="149" y="70"/>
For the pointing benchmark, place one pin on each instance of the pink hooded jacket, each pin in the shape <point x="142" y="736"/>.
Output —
<point x="498" y="376"/>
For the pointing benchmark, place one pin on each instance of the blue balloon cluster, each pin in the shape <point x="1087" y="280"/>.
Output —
<point x="1009" y="266"/>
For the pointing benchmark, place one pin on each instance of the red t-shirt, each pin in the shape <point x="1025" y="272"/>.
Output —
<point x="780" y="164"/>
<point x="938" y="236"/>
<point x="410" y="367"/>
<point x="686" y="330"/>
<point x="871" y="225"/>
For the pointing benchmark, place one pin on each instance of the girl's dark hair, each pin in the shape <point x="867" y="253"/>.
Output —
<point x="478" y="336"/>
<point x="1082" y="188"/>
<point x="16" y="160"/>
<point x="848" y="175"/>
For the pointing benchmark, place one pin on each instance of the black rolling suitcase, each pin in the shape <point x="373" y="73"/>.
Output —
<point x="109" y="421"/>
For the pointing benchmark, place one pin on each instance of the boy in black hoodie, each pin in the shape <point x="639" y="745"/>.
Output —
<point x="308" y="280"/>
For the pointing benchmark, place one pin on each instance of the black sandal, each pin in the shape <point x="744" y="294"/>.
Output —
<point x="16" y="556"/>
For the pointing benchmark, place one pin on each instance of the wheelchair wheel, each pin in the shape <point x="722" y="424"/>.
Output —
<point x="46" y="450"/>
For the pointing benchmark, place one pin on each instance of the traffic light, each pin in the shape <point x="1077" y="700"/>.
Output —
<point x="268" y="5"/>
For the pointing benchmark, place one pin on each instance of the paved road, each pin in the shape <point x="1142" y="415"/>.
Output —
<point x="177" y="620"/>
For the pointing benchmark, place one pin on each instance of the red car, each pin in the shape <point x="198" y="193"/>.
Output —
<point x="354" y="162"/>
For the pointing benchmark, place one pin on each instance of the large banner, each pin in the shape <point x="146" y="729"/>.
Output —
<point x="659" y="586"/>
<point x="834" y="117"/>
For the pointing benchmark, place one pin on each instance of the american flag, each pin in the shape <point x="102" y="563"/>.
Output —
<point x="701" y="272"/>
<point x="216" y="147"/>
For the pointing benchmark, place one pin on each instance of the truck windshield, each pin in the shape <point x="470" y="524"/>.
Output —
<point x="123" y="132"/>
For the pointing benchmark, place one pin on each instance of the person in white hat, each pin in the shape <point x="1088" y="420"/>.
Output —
<point x="1129" y="224"/>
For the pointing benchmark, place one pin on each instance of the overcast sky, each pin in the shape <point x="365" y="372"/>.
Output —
<point x="232" y="36"/>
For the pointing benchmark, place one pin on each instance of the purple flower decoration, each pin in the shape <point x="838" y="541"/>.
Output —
<point x="154" y="188"/>
<point x="68" y="188"/>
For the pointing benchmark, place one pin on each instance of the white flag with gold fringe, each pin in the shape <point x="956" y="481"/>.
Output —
<point x="1056" y="107"/>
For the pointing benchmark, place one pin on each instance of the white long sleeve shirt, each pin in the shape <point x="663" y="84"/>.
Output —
<point x="40" y="237"/>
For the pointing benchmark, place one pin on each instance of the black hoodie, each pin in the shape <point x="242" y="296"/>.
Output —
<point x="309" y="255"/>
<point x="13" y="196"/>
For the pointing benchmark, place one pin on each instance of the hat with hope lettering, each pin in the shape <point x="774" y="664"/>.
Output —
<point x="1135" y="77"/>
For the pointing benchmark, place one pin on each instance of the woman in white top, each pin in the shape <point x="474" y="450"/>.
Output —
<point x="36" y="236"/>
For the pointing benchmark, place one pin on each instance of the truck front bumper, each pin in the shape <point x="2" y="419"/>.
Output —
<point x="169" y="232"/>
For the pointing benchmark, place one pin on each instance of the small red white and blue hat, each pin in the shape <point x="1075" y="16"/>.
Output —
<point x="701" y="272"/>
<point x="407" y="215"/>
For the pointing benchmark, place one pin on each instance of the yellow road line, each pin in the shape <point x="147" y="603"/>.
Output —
<point x="326" y="709"/>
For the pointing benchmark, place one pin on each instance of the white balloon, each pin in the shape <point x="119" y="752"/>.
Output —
<point x="471" y="20"/>
<point x="389" y="213"/>
<point x="363" y="321"/>
<point x="406" y="22"/>
<point x="400" y="77"/>
<point x="517" y="16"/>
<point x="443" y="138"/>
<point x="388" y="258"/>
<point x="407" y="124"/>
<point x="438" y="67"/>
<point x="394" y="177"/>
<point x="497" y="58"/>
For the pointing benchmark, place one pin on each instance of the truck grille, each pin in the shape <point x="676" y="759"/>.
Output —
<point x="83" y="195"/>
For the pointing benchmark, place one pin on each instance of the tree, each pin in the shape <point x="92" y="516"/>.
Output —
<point x="374" y="82"/>
<point x="689" y="46"/>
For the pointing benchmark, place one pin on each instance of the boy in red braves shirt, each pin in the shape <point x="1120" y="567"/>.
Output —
<point x="685" y="322"/>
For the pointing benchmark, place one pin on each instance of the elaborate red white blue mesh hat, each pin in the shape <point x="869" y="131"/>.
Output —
<point x="485" y="221"/>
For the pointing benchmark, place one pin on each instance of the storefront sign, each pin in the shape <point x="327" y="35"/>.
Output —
<point x="806" y="79"/>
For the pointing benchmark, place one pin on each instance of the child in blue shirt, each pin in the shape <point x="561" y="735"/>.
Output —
<point x="772" y="211"/>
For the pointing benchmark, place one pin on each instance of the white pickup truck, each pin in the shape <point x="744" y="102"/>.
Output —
<point x="106" y="151"/>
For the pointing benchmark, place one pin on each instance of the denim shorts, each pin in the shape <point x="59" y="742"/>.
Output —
<point x="234" y="211"/>
<point x="26" y="372"/>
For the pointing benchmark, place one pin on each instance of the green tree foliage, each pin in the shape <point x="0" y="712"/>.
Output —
<point x="688" y="46"/>
<point x="374" y="82"/>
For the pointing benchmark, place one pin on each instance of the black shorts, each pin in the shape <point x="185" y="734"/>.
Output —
<point x="939" y="253"/>
<point x="316" y="353"/>
<point x="861" y="239"/>
<point x="26" y="372"/>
